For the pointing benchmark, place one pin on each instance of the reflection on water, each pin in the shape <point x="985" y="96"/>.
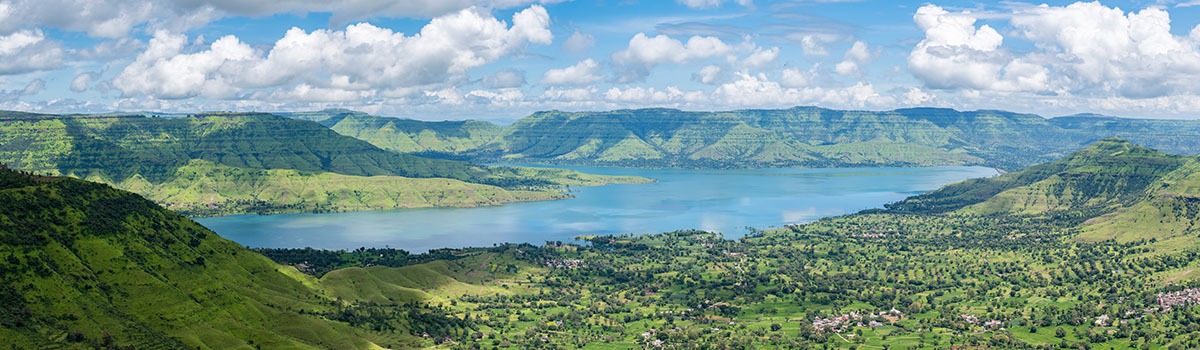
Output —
<point x="725" y="201"/>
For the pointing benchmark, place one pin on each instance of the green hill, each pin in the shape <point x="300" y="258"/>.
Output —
<point x="85" y="265"/>
<point x="1110" y="190"/>
<point x="801" y="136"/>
<point x="231" y="163"/>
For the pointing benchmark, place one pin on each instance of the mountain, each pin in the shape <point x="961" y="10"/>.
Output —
<point x="801" y="136"/>
<point x="85" y="265"/>
<point x="119" y="146"/>
<point x="250" y="162"/>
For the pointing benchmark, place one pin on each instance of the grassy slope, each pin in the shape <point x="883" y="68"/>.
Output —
<point x="88" y="264"/>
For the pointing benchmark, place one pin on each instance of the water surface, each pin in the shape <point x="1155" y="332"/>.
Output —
<point x="726" y="201"/>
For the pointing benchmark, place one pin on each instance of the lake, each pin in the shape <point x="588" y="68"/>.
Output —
<point x="726" y="201"/>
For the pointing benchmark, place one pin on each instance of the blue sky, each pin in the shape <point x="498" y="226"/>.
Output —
<point x="502" y="59"/>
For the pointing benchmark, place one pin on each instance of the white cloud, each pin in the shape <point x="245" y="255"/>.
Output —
<point x="162" y="71"/>
<point x="1082" y="50"/>
<point x="663" y="49"/>
<point x="856" y="56"/>
<point x="708" y="75"/>
<point x="795" y="78"/>
<point x="27" y="51"/>
<point x="761" y="57"/>
<point x="83" y="81"/>
<point x="652" y="96"/>
<point x="700" y="4"/>
<point x="584" y="72"/>
<point x="646" y="52"/>
<point x="361" y="57"/>
<point x="1104" y="50"/>
<point x="760" y="92"/>
<point x="579" y="43"/>
<point x="570" y="95"/>
<point x="116" y="18"/>
<point x="954" y="53"/>
<point x="916" y="97"/>
<point x="814" y="44"/>
<point x="858" y="52"/>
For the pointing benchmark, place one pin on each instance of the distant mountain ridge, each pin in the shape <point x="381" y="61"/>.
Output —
<point x="795" y="137"/>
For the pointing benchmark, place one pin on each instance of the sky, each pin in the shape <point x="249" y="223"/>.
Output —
<point x="503" y="59"/>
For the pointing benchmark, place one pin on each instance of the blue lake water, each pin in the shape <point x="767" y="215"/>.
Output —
<point x="725" y="201"/>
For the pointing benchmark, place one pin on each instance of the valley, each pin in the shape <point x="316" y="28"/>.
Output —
<point x="1039" y="258"/>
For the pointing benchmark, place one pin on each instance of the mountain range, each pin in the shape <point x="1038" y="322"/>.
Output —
<point x="222" y="163"/>
<point x="796" y="137"/>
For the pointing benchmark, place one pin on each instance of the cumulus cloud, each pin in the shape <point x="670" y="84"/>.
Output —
<point x="1082" y="49"/>
<point x="662" y="49"/>
<point x="361" y="57"/>
<point x="761" y="57"/>
<point x="856" y="56"/>
<point x="708" y="75"/>
<point x="815" y="44"/>
<point x="644" y="53"/>
<point x="1103" y="49"/>
<point x="794" y="78"/>
<point x="954" y="53"/>
<point x="584" y="72"/>
<point x="27" y="51"/>
<point x="759" y="91"/>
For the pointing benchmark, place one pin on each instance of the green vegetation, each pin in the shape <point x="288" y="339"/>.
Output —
<point x="796" y="137"/>
<point x="260" y="163"/>
<point x="85" y="265"/>
<point x="1096" y="250"/>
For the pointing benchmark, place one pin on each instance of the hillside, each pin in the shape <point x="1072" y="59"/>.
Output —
<point x="234" y="163"/>
<point x="801" y="136"/>
<point x="85" y="265"/>
<point x="1112" y="189"/>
